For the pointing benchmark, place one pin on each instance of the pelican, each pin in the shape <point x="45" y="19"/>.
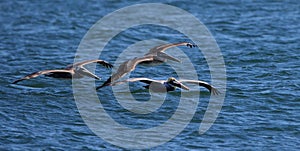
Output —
<point x="169" y="85"/>
<point x="154" y="55"/>
<point x="74" y="70"/>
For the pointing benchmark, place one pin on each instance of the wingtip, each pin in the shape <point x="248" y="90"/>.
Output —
<point x="101" y="86"/>
<point x="216" y="92"/>
<point x="191" y="45"/>
<point x="106" y="83"/>
<point x="109" y="65"/>
<point x="16" y="81"/>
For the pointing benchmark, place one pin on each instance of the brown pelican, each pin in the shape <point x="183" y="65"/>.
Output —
<point x="154" y="55"/>
<point x="74" y="70"/>
<point x="169" y="85"/>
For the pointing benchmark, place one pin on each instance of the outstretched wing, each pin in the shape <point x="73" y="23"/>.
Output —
<point x="129" y="66"/>
<point x="164" y="47"/>
<point x="211" y="89"/>
<point x="125" y="68"/>
<point x="35" y="74"/>
<point x="101" y="62"/>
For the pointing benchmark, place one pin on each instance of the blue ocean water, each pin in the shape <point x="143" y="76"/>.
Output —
<point x="259" y="42"/>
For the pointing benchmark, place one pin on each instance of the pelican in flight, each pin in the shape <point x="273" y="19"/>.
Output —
<point x="74" y="70"/>
<point x="154" y="55"/>
<point x="169" y="85"/>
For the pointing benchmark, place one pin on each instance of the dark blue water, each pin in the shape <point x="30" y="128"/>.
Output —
<point x="259" y="42"/>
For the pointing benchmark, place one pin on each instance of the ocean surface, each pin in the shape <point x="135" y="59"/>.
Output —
<point x="259" y="42"/>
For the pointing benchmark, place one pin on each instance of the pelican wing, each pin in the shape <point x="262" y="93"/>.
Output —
<point x="129" y="66"/>
<point x="211" y="89"/>
<point x="164" y="47"/>
<point x="162" y="56"/>
<point x="36" y="74"/>
<point x="101" y="62"/>
<point x="125" y="68"/>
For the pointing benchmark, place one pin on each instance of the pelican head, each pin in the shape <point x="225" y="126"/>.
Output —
<point x="175" y="83"/>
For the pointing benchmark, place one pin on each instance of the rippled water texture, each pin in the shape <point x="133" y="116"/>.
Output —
<point x="259" y="42"/>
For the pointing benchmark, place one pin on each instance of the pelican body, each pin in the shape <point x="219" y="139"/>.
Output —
<point x="71" y="71"/>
